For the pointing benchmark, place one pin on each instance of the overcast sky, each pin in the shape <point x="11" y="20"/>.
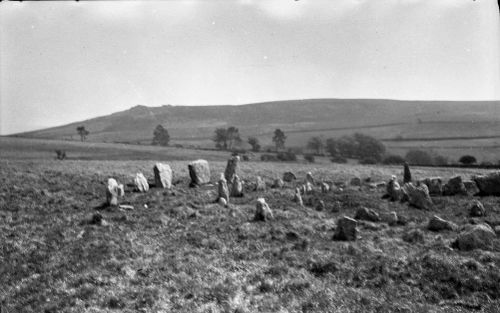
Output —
<point x="67" y="61"/>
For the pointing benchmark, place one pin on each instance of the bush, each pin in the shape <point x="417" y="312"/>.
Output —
<point x="368" y="160"/>
<point x="309" y="158"/>
<point x="467" y="159"/>
<point x="286" y="156"/>
<point x="419" y="157"/>
<point x="393" y="159"/>
<point x="60" y="154"/>
<point x="338" y="159"/>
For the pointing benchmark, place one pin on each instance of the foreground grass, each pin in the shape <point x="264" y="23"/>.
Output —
<point x="177" y="251"/>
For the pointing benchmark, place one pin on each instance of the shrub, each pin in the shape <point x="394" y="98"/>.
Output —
<point x="368" y="160"/>
<point x="309" y="158"/>
<point x="338" y="159"/>
<point x="286" y="156"/>
<point x="419" y="157"/>
<point x="393" y="159"/>
<point x="60" y="154"/>
<point x="467" y="159"/>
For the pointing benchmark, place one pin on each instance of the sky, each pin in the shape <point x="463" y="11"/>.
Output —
<point x="62" y="62"/>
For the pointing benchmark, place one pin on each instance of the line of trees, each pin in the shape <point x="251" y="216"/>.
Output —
<point x="229" y="138"/>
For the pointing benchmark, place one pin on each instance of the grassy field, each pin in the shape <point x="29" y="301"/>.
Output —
<point x="179" y="251"/>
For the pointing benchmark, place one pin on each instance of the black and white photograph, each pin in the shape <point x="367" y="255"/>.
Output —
<point x="241" y="156"/>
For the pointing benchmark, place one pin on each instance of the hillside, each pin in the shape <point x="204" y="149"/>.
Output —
<point x="417" y="121"/>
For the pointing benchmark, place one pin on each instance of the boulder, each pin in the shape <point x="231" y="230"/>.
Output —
<point x="260" y="184"/>
<point x="434" y="184"/>
<point x="438" y="224"/>
<point x="477" y="209"/>
<point x="325" y="187"/>
<point x="355" y="181"/>
<point x="488" y="185"/>
<point x="479" y="236"/>
<point x="418" y="196"/>
<point x="199" y="172"/>
<point x="236" y="187"/>
<point x="278" y="183"/>
<point x="393" y="189"/>
<point x="231" y="168"/>
<point x="222" y="202"/>
<point x="346" y="229"/>
<point x="471" y="187"/>
<point x="141" y="183"/>
<point x="289" y="177"/>
<point x="367" y="215"/>
<point x="310" y="178"/>
<point x="163" y="175"/>
<point x="297" y="197"/>
<point x="391" y="218"/>
<point x="262" y="211"/>
<point x="222" y="189"/>
<point x="320" y="205"/>
<point x="113" y="192"/>
<point x="406" y="173"/>
<point x="454" y="186"/>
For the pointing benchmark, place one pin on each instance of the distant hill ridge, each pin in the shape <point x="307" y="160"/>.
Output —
<point x="385" y="119"/>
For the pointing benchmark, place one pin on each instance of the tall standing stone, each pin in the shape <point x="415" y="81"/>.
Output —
<point x="223" y="190"/>
<point x="141" y="183"/>
<point x="231" y="168"/>
<point x="236" y="187"/>
<point x="262" y="211"/>
<point x="406" y="173"/>
<point x="163" y="175"/>
<point x="113" y="192"/>
<point x="199" y="172"/>
<point x="310" y="178"/>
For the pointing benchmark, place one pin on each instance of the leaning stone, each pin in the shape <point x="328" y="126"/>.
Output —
<point x="346" y="229"/>
<point x="278" y="183"/>
<point x="393" y="189"/>
<point x="297" y="197"/>
<point x="141" y="183"/>
<point x="262" y="211"/>
<point x="480" y="236"/>
<point x="260" y="184"/>
<point x="477" y="209"/>
<point x="434" y="184"/>
<point x="367" y="215"/>
<point x="236" y="187"/>
<point x="488" y="185"/>
<point x="355" y="181"/>
<point x="438" y="224"/>
<point x="222" y="189"/>
<point x="471" y="187"/>
<point x="231" y="168"/>
<point x="418" y="196"/>
<point x="455" y="186"/>
<point x="163" y="175"/>
<point x="406" y="173"/>
<point x="309" y="178"/>
<point x="199" y="172"/>
<point x="289" y="177"/>
<point x="113" y="192"/>
<point x="325" y="187"/>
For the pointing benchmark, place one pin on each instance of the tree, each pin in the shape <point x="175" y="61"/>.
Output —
<point x="220" y="138"/>
<point x="419" y="157"/>
<point x="467" y="160"/>
<point x="316" y="144"/>
<point x="254" y="142"/>
<point x="82" y="132"/>
<point x="279" y="139"/>
<point x="368" y="146"/>
<point x="332" y="147"/>
<point x="226" y="138"/>
<point x="347" y="146"/>
<point x="160" y="136"/>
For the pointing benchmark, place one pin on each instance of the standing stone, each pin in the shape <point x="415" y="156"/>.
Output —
<point x="471" y="187"/>
<point x="236" y="187"/>
<point x="308" y="188"/>
<point x="320" y="206"/>
<point x="367" y="215"/>
<point x="477" y="209"/>
<point x="346" y="229"/>
<point x="489" y="185"/>
<point x="297" y="197"/>
<point x="434" y="184"/>
<point x="438" y="224"/>
<point x="278" y="183"/>
<point x="260" y="184"/>
<point x="418" y="196"/>
<point x="231" y="168"/>
<point x="480" y="236"/>
<point x="262" y="211"/>
<point x="325" y="187"/>
<point x="289" y="177"/>
<point x="141" y="183"/>
<point x="113" y="192"/>
<point x="406" y="173"/>
<point x="393" y="189"/>
<point x="310" y="178"/>
<point x="222" y="189"/>
<point x="163" y="175"/>
<point x="199" y="172"/>
<point x="455" y="186"/>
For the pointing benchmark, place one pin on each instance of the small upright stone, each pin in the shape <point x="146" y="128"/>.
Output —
<point x="231" y="168"/>
<point x="163" y="175"/>
<point x="310" y="178"/>
<point x="260" y="184"/>
<point x="406" y="173"/>
<point x="434" y="184"/>
<point x="222" y="202"/>
<point x="346" y="229"/>
<point x="199" y="172"/>
<point x="278" y="183"/>
<point x="113" y="192"/>
<point x="418" y="196"/>
<point x="222" y="189"/>
<point x="355" y="181"/>
<point x="471" y="187"/>
<point x="262" y="211"/>
<point x="320" y="205"/>
<point x="393" y="189"/>
<point x="289" y="177"/>
<point x="141" y="183"/>
<point x="477" y="209"/>
<point x="308" y="188"/>
<point x="297" y="197"/>
<point x="455" y="186"/>
<point x="325" y="187"/>
<point x="236" y="187"/>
